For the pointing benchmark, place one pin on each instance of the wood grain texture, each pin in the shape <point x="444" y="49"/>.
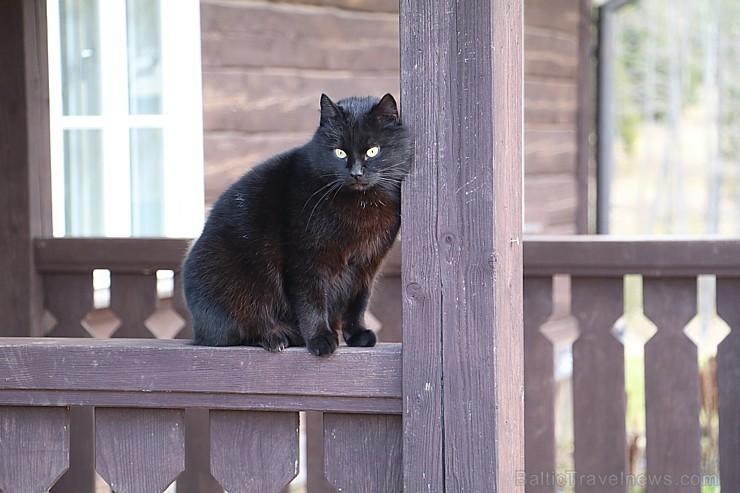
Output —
<point x="671" y="384"/>
<point x="728" y="382"/>
<point x="68" y="298"/>
<point x="596" y="255"/>
<point x="196" y="478"/>
<point x="599" y="398"/>
<point x="80" y="476"/>
<point x="585" y="119"/>
<point x="539" y="385"/>
<point x="261" y="34"/>
<point x="25" y="190"/>
<point x="34" y="447"/>
<point x="362" y="453"/>
<point x="462" y="223"/>
<point x="176" y="374"/>
<point x="254" y="451"/>
<point x="139" y="450"/>
<point x="424" y="103"/>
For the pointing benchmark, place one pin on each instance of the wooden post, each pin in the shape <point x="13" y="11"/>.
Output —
<point x="461" y="88"/>
<point x="25" y="190"/>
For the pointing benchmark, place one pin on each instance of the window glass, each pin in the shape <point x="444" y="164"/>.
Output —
<point x="147" y="182"/>
<point x="144" y="56"/>
<point x="83" y="173"/>
<point x="80" y="42"/>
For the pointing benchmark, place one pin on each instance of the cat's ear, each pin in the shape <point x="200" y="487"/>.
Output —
<point x="386" y="109"/>
<point x="329" y="110"/>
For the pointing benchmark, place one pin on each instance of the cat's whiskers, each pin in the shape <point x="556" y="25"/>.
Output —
<point x="337" y="185"/>
<point x="330" y="184"/>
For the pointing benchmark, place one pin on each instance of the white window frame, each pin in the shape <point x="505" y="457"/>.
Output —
<point x="181" y="119"/>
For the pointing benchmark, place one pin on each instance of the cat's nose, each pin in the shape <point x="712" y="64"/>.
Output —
<point x="356" y="171"/>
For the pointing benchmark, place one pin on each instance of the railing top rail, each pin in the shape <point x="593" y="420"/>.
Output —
<point x="172" y="373"/>
<point x="117" y="254"/>
<point x="608" y="255"/>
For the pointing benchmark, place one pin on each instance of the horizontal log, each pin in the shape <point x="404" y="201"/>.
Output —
<point x="55" y="255"/>
<point x="171" y="373"/>
<point x="607" y="255"/>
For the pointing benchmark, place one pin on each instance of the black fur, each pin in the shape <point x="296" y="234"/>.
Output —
<point x="288" y="254"/>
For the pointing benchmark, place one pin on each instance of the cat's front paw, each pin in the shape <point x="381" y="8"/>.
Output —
<point x="362" y="337"/>
<point x="323" y="344"/>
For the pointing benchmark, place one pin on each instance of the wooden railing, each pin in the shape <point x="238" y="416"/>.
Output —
<point x="669" y="269"/>
<point x="149" y="396"/>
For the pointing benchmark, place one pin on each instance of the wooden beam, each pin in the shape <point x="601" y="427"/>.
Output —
<point x="25" y="190"/>
<point x="173" y="373"/>
<point x="461" y="80"/>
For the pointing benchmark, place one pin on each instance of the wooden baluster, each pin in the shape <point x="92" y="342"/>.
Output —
<point x="196" y="478"/>
<point x="179" y="306"/>
<point x="315" y="476"/>
<point x="728" y="383"/>
<point x="671" y="385"/>
<point x="254" y="450"/>
<point x="139" y="450"/>
<point x="539" y="386"/>
<point x="599" y="405"/>
<point x="133" y="298"/>
<point x="34" y="447"/>
<point x="363" y="446"/>
<point x="69" y="298"/>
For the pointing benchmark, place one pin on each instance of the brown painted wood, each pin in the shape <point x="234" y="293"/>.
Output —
<point x="178" y="374"/>
<point x="671" y="384"/>
<point x="242" y="34"/>
<point x="179" y="306"/>
<point x="134" y="255"/>
<point x="80" y="477"/>
<point x="362" y="453"/>
<point x="68" y="297"/>
<point x="728" y="382"/>
<point x="254" y="451"/>
<point x="133" y="298"/>
<point x="34" y="447"/>
<point x="139" y="450"/>
<point x="196" y="478"/>
<point x="586" y="123"/>
<point x="599" y="399"/>
<point x="315" y="477"/>
<point x="539" y="386"/>
<point x="600" y="255"/>
<point x="25" y="190"/>
<point x="463" y="408"/>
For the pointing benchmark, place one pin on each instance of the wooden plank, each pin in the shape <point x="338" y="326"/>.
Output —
<point x="728" y="383"/>
<point x="315" y="477"/>
<point x="558" y="15"/>
<point x="599" y="402"/>
<point x="462" y="224"/>
<point x="34" y="446"/>
<point x="560" y="206"/>
<point x="671" y="384"/>
<point x="69" y="298"/>
<point x="138" y="450"/>
<point x="550" y="102"/>
<point x="117" y="254"/>
<point x="80" y="476"/>
<point x="25" y="190"/>
<point x="133" y="298"/>
<point x="253" y="34"/>
<point x="363" y="446"/>
<point x="599" y="255"/>
<point x="549" y="150"/>
<point x="550" y="54"/>
<point x="196" y="478"/>
<point x="253" y="100"/>
<point x="539" y="386"/>
<point x="254" y="451"/>
<point x="174" y="366"/>
<point x="366" y="5"/>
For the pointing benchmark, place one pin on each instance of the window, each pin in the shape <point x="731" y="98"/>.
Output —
<point x="669" y="123"/>
<point x="126" y="117"/>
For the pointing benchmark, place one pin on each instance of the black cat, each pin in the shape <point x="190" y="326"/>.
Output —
<point x="289" y="252"/>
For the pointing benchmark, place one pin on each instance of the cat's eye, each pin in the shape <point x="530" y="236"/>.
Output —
<point x="373" y="151"/>
<point x="340" y="153"/>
